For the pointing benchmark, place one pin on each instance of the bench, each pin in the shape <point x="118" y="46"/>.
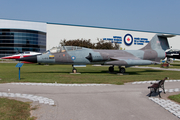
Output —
<point x="155" y="87"/>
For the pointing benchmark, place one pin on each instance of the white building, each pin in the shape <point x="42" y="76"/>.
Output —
<point x="58" y="32"/>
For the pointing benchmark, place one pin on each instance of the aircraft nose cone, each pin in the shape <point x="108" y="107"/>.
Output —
<point x="4" y="58"/>
<point x="29" y="59"/>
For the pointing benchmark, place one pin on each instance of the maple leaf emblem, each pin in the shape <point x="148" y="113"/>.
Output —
<point x="128" y="39"/>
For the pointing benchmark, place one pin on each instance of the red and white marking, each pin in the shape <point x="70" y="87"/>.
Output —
<point x="21" y="55"/>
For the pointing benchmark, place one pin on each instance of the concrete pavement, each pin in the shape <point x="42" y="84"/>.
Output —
<point x="111" y="102"/>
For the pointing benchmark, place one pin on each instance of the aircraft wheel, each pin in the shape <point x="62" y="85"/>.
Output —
<point x="122" y="70"/>
<point x="74" y="70"/>
<point x="111" y="69"/>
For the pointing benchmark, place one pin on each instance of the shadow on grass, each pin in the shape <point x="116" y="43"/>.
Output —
<point x="102" y="72"/>
<point x="69" y="72"/>
<point x="143" y="71"/>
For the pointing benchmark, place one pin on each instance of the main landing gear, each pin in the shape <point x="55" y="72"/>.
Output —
<point x="111" y="69"/>
<point x="121" y="69"/>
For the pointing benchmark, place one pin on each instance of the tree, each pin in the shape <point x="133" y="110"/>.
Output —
<point x="81" y="43"/>
<point x="101" y="44"/>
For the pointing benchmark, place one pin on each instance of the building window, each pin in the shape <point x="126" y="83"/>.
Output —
<point x="13" y="41"/>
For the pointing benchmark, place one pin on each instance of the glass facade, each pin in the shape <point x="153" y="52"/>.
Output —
<point x="14" y="41"/>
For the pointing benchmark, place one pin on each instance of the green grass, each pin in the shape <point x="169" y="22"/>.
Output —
<point x="14" y="110"/>
<point x="175" y="65"/>
<point x="89" y="74"/>
<point x="175" y="98"/>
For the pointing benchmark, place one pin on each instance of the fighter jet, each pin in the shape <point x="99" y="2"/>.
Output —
<point x="152" y="53"/>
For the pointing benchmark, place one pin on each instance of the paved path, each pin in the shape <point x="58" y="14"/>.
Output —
<point x="111" y="102"/>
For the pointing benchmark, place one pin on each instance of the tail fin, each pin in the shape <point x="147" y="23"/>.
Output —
<point x="159" y="41"/>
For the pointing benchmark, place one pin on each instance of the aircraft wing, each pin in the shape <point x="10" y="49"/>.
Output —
<point x="128" y="61"/>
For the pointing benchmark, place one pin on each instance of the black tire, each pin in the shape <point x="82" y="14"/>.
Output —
<point x="122" y="70"/>
<point x="111" y="69"/>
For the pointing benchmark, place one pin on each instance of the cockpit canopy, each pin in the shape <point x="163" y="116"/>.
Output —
<point x="63" y="49"/>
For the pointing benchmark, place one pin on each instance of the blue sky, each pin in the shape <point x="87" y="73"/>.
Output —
<point x="146" y="15"/>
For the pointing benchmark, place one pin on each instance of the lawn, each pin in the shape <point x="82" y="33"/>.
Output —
<point x="89" y="74"/>
<point x="175" y="65"/>
<point x="14" y="110"/>
<point x="175" y="98"/>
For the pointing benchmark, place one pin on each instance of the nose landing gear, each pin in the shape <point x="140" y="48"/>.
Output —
<point x="74" y="70"/>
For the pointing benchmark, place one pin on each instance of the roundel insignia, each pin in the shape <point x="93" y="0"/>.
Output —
<point x="73" y="57"/>
<point x="128" y="39"/>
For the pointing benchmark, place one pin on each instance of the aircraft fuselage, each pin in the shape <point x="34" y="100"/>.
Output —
<point x="90" y="56"/>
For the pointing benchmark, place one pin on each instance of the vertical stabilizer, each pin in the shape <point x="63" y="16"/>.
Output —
<point x="159" y="41"/>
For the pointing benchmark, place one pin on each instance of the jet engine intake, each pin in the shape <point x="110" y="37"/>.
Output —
<point x="94" y="57"/>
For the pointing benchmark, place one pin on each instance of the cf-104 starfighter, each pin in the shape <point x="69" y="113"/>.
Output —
<point x="152" y="53"/>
